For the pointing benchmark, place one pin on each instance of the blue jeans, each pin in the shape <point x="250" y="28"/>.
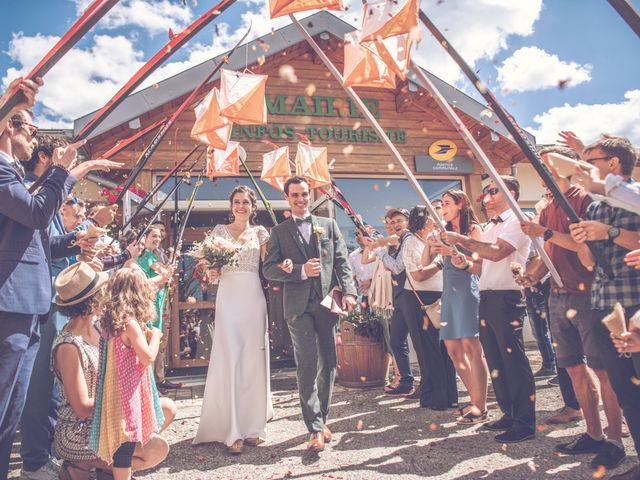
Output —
<point x="538" y="313"/>
<point x="399" y="333"/>
<point x="19" y="339"/>
<point x="43" y="399"/>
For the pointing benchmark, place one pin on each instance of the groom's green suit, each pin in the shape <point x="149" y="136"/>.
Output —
<point x="313" y="328"/>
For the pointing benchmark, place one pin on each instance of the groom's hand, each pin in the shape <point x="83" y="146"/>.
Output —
<point x="348" y="302"/>
<point x="312" y="267"/>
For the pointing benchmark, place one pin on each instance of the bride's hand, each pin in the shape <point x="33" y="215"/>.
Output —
<point x="287" y="265"/>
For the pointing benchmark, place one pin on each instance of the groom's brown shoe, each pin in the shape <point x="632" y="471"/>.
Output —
<point x="316" y="442"/>
<point x="326" y="433"/>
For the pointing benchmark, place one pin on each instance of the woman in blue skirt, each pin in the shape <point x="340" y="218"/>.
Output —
<point x="460" y="300"/>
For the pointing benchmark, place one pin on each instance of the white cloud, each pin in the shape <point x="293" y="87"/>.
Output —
<point x="155" y="16"/>
<point x="86" y="78"/>
<point x="82" y="81"/>
<point x="588" y="121"/>
<point x="531" y="68"/>
<point x="477" y="29"/>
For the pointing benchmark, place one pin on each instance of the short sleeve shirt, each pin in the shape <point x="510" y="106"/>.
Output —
<point x="624" y="287"/>
<point x="497" y="275"/>
<point x="576" y="278"/>
<point x="412" y="255"/>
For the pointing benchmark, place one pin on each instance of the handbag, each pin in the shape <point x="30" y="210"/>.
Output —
<point x="431" y="311"/>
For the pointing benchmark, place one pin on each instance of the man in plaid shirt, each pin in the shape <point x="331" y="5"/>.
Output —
<point x="614" y="231"/>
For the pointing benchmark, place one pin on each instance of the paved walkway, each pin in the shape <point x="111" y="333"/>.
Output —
<point x="375" y="437"/>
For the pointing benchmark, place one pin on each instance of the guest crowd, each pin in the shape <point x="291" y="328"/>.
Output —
<point x="82" y="349"/>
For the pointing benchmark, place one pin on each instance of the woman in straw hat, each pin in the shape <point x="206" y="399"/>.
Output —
<point x="74" y="361"/>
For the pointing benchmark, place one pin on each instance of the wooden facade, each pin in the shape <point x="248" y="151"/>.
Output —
<point x="316" y="106"/>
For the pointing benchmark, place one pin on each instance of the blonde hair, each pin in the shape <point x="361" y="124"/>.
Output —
<point x="128" y="296"/>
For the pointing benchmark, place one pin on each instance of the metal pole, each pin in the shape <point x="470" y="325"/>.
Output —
<point x="242" y="156"/>
<point x="374" y="123"/>
<point x="628" y="14"/>
<point x="486" y="163"/>
<point x="518" y="136"/>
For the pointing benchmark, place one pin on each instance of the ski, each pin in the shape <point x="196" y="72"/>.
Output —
<point x="87" y="20"/>
<point x="153" y="145"/>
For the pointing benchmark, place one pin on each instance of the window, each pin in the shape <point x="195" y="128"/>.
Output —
<point x="371" y="197"/>
<point x="219" y="189"/>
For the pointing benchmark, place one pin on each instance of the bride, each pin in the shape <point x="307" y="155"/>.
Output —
<point x="237" y="398"/>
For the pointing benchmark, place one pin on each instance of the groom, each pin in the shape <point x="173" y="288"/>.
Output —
<point x="320" y="262"/>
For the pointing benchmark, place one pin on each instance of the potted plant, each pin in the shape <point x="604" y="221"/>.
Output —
<point x="362" y="359"/>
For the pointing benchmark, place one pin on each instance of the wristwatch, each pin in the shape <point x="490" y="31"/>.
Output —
<point x="614" y="232"/>
<point x="548" y="233"/>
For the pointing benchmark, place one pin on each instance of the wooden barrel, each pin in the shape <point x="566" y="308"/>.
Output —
<point x="362" y="362"/>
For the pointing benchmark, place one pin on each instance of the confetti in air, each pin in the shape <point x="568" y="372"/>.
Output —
<point x="288" y="73"/>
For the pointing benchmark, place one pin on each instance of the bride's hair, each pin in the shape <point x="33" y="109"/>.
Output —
<point x="254" y="203"/>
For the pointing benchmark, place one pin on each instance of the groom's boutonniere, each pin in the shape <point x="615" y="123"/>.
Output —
<point x="318" y="230"/>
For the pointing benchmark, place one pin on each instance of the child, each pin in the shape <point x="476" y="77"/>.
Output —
<point x="127" y="407"/>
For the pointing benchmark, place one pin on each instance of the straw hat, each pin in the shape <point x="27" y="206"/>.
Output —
<point x="77" y="283"/>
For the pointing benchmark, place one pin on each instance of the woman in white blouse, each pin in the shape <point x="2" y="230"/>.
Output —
<point x="424" y="287"/>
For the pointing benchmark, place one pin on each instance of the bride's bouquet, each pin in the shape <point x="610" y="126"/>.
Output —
<point x="214" y="252"/>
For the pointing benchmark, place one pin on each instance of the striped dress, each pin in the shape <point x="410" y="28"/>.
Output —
<point x="127" y="403"/>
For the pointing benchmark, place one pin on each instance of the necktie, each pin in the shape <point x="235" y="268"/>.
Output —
<point x="300" y="221"/>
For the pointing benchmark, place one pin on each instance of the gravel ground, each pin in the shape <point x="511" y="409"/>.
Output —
<point x="375" y="437"/>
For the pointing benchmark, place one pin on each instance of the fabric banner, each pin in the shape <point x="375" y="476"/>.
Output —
<point x="311" y="163"/>
<point x="276" y="168"/>
<point x="364" y="66"/>
<point x="279" y="8"/>
<point x="242" y="97"/>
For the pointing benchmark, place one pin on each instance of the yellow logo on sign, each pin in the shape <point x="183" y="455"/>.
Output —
<point x="443" y="150"/>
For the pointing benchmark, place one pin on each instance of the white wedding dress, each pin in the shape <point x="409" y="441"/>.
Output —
<point x="237" y="395"/>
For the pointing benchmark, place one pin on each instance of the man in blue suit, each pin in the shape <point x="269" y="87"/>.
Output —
<point x="25" y="277"/>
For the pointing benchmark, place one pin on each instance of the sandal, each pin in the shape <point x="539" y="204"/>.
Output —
<point x="459" y="412"/>
<point x="253" y="442"/>
<point x="236" y="448"/>
<point x="390" y="386"/>
<point x="472" y="418"/>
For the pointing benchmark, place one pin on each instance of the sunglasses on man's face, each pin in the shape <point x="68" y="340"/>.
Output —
<point x="30" y="128"/>
<point x="491" y="191"/>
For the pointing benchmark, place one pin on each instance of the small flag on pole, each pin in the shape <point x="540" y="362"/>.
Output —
<point x="364" y="66"/>
<point x="223" y="163"/>
<point x="242" y="97"/>
<point x="276" y="168"/>
<point x="383" y="19"/>
<point x="279" y="8"/>
<point x="210" y="127"/>
<point x="311" y="163"/>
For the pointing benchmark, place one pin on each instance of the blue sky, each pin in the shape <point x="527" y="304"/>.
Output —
<point x="521" y="48"/>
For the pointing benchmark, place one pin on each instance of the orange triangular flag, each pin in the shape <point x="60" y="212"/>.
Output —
<point x="223" y="163"/>
<point x="276" y="168"/>
<point x="388" y="18"/>
<point x="242" y="97"/>
<point x="279" y="8"/>
<point x="210" y="127"/>
<point x="311" y="163"/>
<point x="363" y="65"/>
<point x="395" y="52"/>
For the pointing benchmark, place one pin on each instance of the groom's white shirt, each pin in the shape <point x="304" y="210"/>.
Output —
<point x="305" y="231"/>
<point x="304" y="228"/>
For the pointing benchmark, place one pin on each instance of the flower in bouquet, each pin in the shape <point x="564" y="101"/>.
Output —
<point x="214" y="252"/>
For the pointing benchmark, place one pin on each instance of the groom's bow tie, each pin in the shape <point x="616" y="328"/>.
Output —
<point x="497" y="220"/>
<point x="300" y="221"/>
